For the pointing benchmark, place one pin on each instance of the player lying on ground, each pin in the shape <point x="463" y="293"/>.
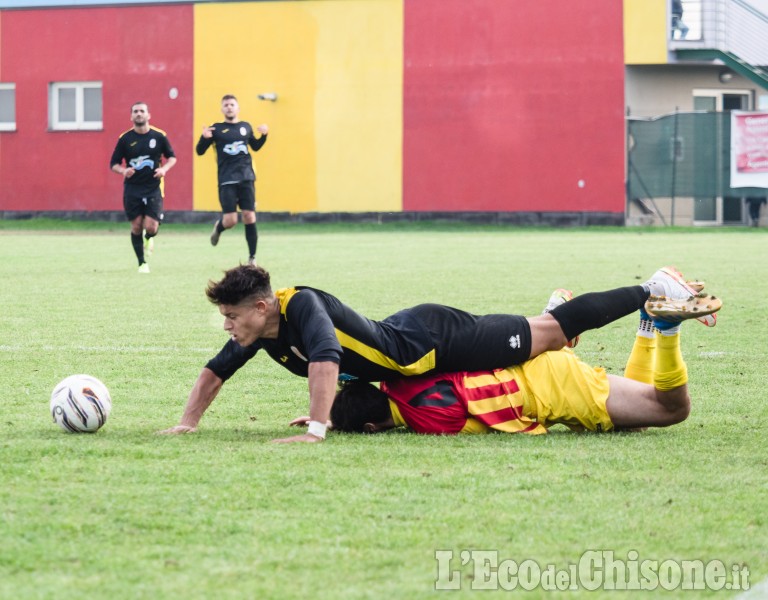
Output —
<point x="554" y="387"/>
<point x="312" y="334"/>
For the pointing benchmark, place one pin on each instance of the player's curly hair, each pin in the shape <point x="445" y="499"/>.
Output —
<point x="356" y="404"/>
<point x="240" y="284"/>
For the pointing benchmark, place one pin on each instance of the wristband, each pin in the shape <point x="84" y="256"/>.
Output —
<point x="317" y="429"/>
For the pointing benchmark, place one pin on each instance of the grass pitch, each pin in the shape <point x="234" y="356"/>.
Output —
<point x="225" y="514"/>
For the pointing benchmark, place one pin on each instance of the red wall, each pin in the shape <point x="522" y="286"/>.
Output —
<point x="154" y="45"/>
<point x="508" y="104"/>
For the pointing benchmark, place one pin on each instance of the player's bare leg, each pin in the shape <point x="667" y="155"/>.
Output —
<point x="635" y="404"/>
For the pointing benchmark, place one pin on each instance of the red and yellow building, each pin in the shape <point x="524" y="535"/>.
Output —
<point x="382" y="105"/>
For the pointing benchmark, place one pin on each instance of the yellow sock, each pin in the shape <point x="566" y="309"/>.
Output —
<point x="670" y="370"/>
<point x="640" y="362"/>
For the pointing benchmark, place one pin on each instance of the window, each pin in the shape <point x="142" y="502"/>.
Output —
<point x="75" y="105"/>
<point x="7" y="107"/>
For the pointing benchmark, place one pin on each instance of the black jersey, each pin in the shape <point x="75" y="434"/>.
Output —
<point x="142" y="152"/>
<point x="316" y="326"/>
<point x="232" y="141"/>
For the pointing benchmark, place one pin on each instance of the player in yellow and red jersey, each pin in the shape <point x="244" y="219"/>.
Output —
<point x="554" y="387"/>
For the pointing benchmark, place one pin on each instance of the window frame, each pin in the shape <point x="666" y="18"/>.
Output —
<point x="79" y="124"/>
<point x="9" y="125"/>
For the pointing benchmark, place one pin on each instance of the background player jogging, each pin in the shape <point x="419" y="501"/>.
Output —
<point x="236" y="176"/>
<point x="142" y="149"/>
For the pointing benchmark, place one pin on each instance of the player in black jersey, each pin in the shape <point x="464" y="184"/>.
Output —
<point x="235" y="170"/>
<point x="313" y="334"/>
<point x="142" y="149"/>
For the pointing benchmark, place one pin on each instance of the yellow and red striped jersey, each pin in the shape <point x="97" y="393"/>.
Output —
<point x="450" y="403"/>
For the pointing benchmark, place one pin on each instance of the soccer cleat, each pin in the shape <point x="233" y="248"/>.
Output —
<point x="558" y="297"/>
<point x="672" y="310"/>
<point x="708" y="320"/>
<point x="144" y="268"/>
<point x="669" y="283"/>
<point x="216" y="234"/>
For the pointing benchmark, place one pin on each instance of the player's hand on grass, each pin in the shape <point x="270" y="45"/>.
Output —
<point x="307" y="438"/>
<point x="177" y="430"/>
<point x="299" y="421"/>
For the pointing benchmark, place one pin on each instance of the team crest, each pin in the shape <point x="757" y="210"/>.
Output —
<point x="243" y="131"/>
<point x="152" y="143"/>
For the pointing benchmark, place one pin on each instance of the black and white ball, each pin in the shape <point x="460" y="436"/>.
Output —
<point x="80" y="404"/>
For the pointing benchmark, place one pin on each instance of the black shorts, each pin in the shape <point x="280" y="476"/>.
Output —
<point x="146" y="205"/>
<point x="467" y="342"/>
<point x="242" y="194"/>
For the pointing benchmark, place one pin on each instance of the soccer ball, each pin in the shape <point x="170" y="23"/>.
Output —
<point x="80" y="404"/>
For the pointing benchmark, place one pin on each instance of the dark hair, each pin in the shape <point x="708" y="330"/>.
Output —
<point x="356" y="404"/>
<point x="228" y="97"/>
<point x="240" y="284"/>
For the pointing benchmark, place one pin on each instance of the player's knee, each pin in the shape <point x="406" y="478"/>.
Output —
<point x="681" y="410"/>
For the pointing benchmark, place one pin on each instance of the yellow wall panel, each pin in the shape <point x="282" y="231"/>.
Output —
<point x="336" y="129"/>
<point x="358" y="104"/>
<point x="246" y="49"/>
<point x="645" y="32"/>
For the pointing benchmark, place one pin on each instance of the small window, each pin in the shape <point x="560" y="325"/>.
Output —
<point x="75" y="105"/>
<point x="7" y="107"/>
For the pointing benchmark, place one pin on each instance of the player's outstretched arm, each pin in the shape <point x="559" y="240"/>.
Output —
<point x="322" y="390"/>
<point x="204" y="391"/>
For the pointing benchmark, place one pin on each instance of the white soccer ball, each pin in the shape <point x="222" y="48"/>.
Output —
<point x="80" y="404"/>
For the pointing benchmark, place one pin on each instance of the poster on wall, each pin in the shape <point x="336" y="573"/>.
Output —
<point x="749" y="149"/>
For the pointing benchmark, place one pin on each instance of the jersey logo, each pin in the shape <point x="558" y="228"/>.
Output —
<point x="237" y="147"/>
<point x="132" y="144"/>
<point x="152" y="143"/>
<point x="243" y="131"/>
<point x="514" y="341"/>
<point x="140" y="162"/>
<point x="225" y="130"/>
<point x="283" y="359"/>
<point x="440" y="394"/>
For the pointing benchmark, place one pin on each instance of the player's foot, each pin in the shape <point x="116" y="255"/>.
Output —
<point x="216" y="234"/>
<point x="669" y="283"/>
<point x="558" y="297"/>
<point x="676" y="310"/>
<point x="144" y="268"/>
<point x="252" y="260"/>
<point x="708" y="320"/>
<point x="149" y="246"/>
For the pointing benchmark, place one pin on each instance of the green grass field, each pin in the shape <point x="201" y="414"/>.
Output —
<point x="126" y="514"/>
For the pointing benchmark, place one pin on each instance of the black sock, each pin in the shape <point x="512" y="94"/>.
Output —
<point x="596" y="309"/>
<point x="219" y="227"/>
<point x="138" y="246"/>
<point x="251" y="236"/>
